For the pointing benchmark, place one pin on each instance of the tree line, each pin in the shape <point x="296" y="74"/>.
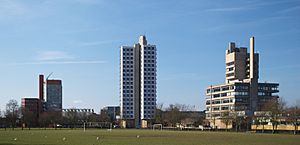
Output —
<point x="15" y="116"/>
<point x="174" y="115"/>
<point x="177" y="115"/>
<point x="273" y="113"/>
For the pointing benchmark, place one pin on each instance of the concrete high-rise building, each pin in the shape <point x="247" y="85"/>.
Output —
<point x="54" y="95"/>
<point x="241" y="94"/>
<point x="138" y="83"/>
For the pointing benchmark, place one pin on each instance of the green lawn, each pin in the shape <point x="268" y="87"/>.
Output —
<point x="140" y="137"/>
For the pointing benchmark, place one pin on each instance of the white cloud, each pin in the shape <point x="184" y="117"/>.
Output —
<point x="53" y="55"/>
<point x="54" y="58"/>
<point x="77" y="101"/>
<point x="229" y="9"/>
<point x="55" y="62"/>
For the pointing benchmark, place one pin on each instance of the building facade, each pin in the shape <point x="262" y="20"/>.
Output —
<point x="113" y="112"/>
<point x="41" y="94"/>
<point x="54" y="95"/>
<point x="30" y="104"/>
<point x="137" y="83"/>
<point x="242" y="94"/>
<point x="33" y="107"/>
<point x="30" y="111"/>
<point x="80" y="112"/>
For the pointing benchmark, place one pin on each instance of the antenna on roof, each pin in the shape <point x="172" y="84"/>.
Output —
<point x="49" y="75"/>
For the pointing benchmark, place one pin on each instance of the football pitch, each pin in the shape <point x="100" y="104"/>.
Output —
<point x="140" y="137"/>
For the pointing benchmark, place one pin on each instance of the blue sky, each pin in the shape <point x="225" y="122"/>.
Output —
<point x="79" y="40"/>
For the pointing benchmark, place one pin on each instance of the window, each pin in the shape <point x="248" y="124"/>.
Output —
<point x="207" y="102"/>
<point x="230" y="74"/>
<point x="224" y="108"/>
<point x="225" y="88"/>
<point x="216" y="102"/>
<point x="230" y="69"/>
<point x="224" y="94"/>
<point x="216" y="89"/>
<point x="216" y="95"/>
<point x="216" y="108"/>
<point x="226" y="101"/>
<point x="208" y="108"/>
<point x="242" y="87"/>
<point x="208" y="91"/>
<point x="230" y="63"/>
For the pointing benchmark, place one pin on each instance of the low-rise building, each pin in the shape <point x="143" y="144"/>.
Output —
<point x="113" y="112"/>
<point x="79" y="112"/>
<point x="30" y="111"/>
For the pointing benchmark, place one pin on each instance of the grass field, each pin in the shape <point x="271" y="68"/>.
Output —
<point x="140" y="137"/>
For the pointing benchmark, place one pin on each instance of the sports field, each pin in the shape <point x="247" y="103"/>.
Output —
<point x="140" y="137"/>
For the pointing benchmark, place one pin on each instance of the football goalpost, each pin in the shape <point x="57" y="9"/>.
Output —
<point x="157" y="127"/>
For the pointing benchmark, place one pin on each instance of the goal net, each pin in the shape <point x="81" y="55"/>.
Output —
<point x="157" y="127"/>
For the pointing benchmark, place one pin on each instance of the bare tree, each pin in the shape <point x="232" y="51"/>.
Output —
<point x="238" y="120"/>
<point x="173" y="115"/>
<point x="293" y="116"/>
<point x="104" y="117"/>
<point x="44" y="120"/>
<point x="2" y="120"/>
<point x="93" y="118"/>
<point x="29" y="118"/>
<point x="159" y="113"/>
<point x="55" y="118"/>
<point x="226" y="118"/>
<point x="276" y="108"/>
<point x="71" y="117"/>
<point x="260" y="119"/>
<point x="12" y="112"/>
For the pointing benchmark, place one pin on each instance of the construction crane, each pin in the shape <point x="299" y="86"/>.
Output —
<point x="49" y="75"/>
